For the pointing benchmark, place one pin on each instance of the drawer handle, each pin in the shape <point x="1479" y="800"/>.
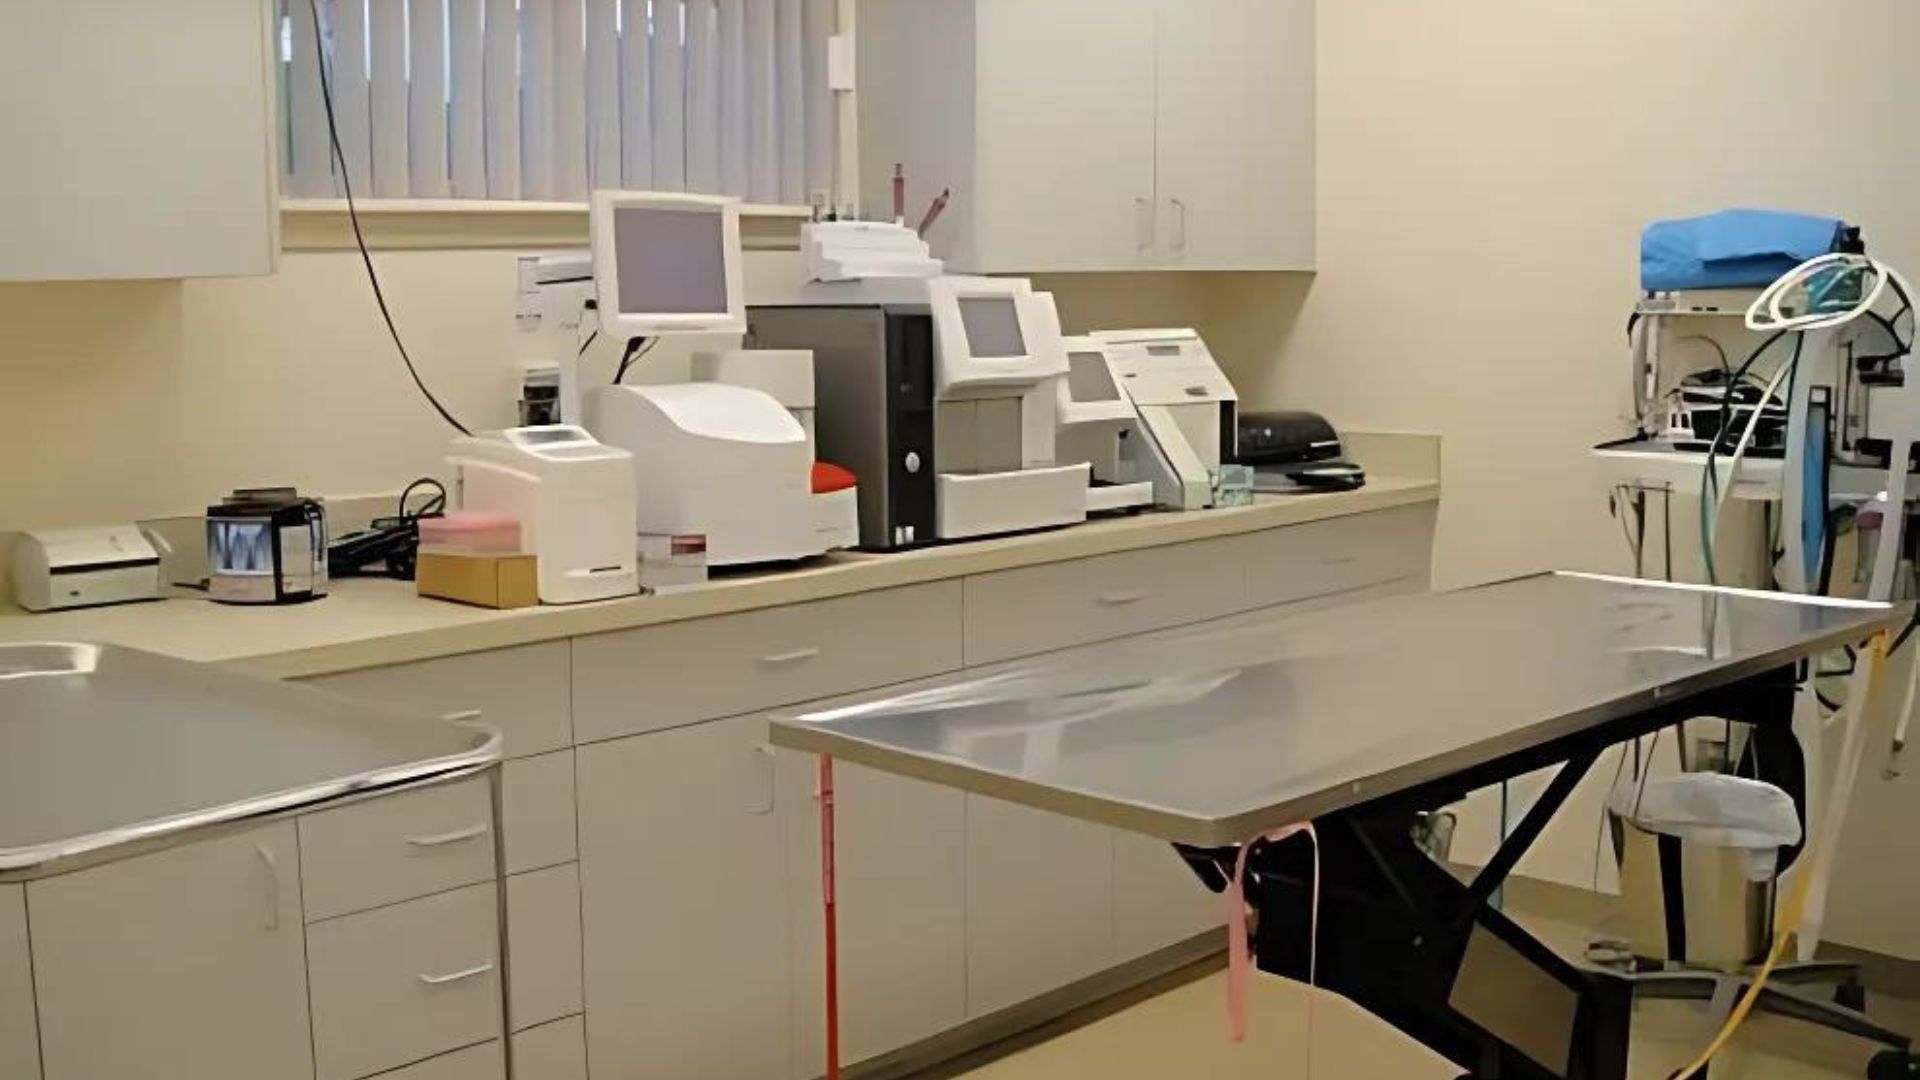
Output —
<point x="464" y="716"/>
<point x="1121" y="599"/>
<point x="457" y="976"/>
<point x="793" y="657"/>
<point x="1340" y="560"/>
<point x="445" y="838"/>
<point x="272" y="865"/>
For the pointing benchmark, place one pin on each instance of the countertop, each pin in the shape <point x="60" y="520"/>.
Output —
<point x="369" y="623"/>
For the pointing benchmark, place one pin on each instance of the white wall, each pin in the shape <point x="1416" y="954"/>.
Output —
<point x="1485" y="169"/>
<point x="129" y="400"/>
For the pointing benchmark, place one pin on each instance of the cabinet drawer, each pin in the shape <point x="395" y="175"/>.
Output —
<point x="1039" y="608"/>
<point x="543" y="939"/>
<point x="556" y="1051"/>
<point x="483" y="1062"/>
<point x="537" y="803"/>
<point x="404" y="983"/>
<point x="395" y="848"/>
<point x="1323" y="558"/>
<point x="667" y="676"/>
<point x="522" y="691"/>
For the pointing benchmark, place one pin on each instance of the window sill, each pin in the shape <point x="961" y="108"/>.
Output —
<point x="400" y="224"/>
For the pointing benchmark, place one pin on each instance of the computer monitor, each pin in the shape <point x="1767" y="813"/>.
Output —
<point x="667" y="264"/>
<point x="993" y="332"/>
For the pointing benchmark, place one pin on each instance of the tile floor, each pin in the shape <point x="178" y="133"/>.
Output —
<point x="1182" y="1033"/>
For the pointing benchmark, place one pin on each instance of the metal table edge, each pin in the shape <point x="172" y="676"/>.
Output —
<point x="73" y="853"/>
<point x="792" y="733"/>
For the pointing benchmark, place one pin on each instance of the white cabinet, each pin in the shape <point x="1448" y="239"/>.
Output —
<point x="683" y="883"/>
<point x="1039" y="902"/>
<point x="900" y="862"/>
<point x="1096" y="134"/>
<point x="140" y="139"/>
<point x="1157" y="901"/>
<point x="19" y="1041"/>
<point x="187" y="962"/>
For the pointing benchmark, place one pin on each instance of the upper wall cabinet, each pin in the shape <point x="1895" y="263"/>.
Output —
<point x="138" y="137"/>
<point x="1095" y="134"/>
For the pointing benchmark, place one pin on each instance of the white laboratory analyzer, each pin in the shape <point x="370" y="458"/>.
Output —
<point x="1186" y="406"/>
<point x="940" y="394"/>
<point x="573" y="498"/>
<point x="728" y="455"/>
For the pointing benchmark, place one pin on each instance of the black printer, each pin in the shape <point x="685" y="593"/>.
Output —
<point x="1294" y="451"/>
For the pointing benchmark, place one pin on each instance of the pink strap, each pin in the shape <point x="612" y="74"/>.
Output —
<point x="1240" y="954"/>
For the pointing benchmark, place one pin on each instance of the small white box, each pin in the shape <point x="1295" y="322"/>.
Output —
<point x="55" y="569"/>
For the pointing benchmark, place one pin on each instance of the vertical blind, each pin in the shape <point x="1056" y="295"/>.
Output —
<point x="549" y="99"/>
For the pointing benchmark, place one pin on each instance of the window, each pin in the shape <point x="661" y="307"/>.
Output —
<point x="549" y="99"/>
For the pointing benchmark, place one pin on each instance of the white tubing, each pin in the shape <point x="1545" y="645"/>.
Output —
<point x="1765" y="315"/>
<point x="1740" y="448"/>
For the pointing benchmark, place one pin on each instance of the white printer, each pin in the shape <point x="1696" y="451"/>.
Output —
<point x="573" y="498"/>
<point x="55" y="569"/>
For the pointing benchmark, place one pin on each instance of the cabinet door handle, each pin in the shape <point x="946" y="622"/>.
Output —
<point x="445" y="838"/>
<point x="1143" y="221"/>
<point x="272" y="864"/>
<point x="761" y="785"/>
<point x="457" y="976"/>
<point x="1179" y="224"/>
<point x="1121" y="599"/>
<point x="464" y="716"/>
<point x="793" y="657"/>
<point x="1340" y="560"/>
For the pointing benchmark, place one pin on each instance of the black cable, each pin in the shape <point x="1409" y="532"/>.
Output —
<point x="1710" y="486"/>
<point x="637" y="348"/>
<point x="353" y="216"/>
<point x="587" y="344"/>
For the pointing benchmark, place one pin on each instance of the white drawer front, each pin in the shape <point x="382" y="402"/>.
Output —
<point x="657" y="677"/>
<point x="537" y="798"/>
<point x="556" y="1051"/>
<point x="1040" y="608"/>
<point x="1323" y="558"/>
<point x="484" y="1062"/>
<point x="395" y="848"/>
<point x="404" y="983"/>
<point x="522" y="691"/>
<point x="543" y="934"/>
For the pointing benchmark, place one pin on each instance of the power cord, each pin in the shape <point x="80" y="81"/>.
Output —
<point x="353" y="216"/>
<point x="637" y="349"/>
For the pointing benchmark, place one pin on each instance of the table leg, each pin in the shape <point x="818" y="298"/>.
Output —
<point x="829" y="909"/>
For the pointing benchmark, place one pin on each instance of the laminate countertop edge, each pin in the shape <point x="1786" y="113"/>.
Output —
<point x="368" y="623"/>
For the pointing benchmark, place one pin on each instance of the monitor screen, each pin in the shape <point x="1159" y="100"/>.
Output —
<point x="1088" y="379"/>
<point x="993" y="327"/>
<point x="670" y="261"/>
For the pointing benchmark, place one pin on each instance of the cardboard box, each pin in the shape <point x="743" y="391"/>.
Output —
<point x="493" y="581"/>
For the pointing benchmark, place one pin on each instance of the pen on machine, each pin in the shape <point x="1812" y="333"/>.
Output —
<point x="899" y="194"/>
<point x="934" y="210"/>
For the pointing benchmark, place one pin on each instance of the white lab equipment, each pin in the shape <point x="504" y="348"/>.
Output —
<point x="55" y="569"/>
<point x="786" y="375"/>
<point x="726" y="462"/>
<point x="1100" y="426"/>
<point x="1186" y="406"/>
<point x="666" y="264"/>
<point x="573" y="498"/>
<point x="853" y="250"/>
<point x="939" y="393"/>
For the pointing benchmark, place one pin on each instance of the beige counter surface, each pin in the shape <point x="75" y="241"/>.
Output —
<point x="369" y="622"/>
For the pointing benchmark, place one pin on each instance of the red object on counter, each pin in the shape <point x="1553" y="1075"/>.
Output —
<point x="828" y="477"/>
